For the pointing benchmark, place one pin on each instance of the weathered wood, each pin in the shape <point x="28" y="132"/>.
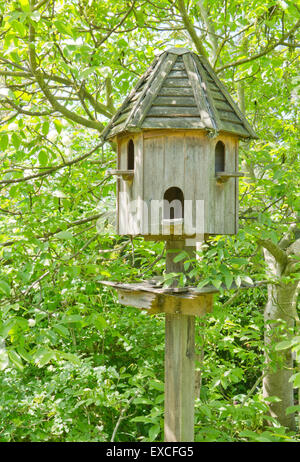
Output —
<point x="131" y="187"/>
<point x="233" y="128"/>
<point x="206" y="88"/>
<point x="177" y="83"/>
<point x="107" y="131"/>
<point x="179" y="367"/>
<point x="177" y="111"/>
<point x="224" y="176"/>
<point x="178" y="65"/>
<point x="200" y="134"/>
<point x="230" y="117"/>
<point x="153" y="303"/>
<point x="117" y="129"/>
<point x="179" y="378"/>
<point x="203" y="108"/>
<point x="186" y="101"/>
<point x="156" y="288"/>
<point x="151" y="91"/>
<point x="171" y="91"/>
<point x="183" y="158"/>
<point x="217" y="96"/>
<point x="222" y="105"/>
<point x="236" y="185"/>
<point x="173" y="122"/>
<point x="223" y="90"/>
<point x="127" y="175"/>
<point x="145" y="89"/>
<point x="180" y="74"/>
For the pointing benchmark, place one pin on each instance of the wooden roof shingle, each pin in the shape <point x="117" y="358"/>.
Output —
<point x="180" y="90"/>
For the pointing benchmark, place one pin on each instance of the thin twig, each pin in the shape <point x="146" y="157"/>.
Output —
<point x="121" y="416"/>
<point x="158" y="258"/>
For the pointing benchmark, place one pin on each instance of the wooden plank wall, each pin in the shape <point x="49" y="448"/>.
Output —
<point x="130" y="213"/>
<point x="223" y="196"/>
<point x="185" y="159"/>
<point x="177" y="159"/>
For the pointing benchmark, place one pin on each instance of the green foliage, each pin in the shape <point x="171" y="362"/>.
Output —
<point x="74" y="364"/>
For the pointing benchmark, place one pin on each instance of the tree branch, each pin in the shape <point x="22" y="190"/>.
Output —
<point x="45" y="89"/>
<point x="190" y="28"/>
<point x="274" y="249"/>
<point x="263" y="52"/>
<point x="52" y="169"/>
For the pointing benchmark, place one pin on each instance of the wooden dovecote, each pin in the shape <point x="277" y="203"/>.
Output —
<point x="177" y="177"/>
<point x="183" y="128"/>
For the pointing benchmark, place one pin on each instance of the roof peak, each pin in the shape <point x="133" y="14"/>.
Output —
<point x="178" y="51"/>
<point x="180" y="90"/>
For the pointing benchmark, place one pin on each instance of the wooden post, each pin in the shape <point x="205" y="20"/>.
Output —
<point x="179" y="366"/>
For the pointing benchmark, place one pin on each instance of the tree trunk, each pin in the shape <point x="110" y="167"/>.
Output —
<point x="281" y="306"/>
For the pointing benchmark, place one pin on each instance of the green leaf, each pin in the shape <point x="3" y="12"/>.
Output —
<point x="63" y="28"/>
<point x="72" y="318"/>
<point x="156" y="385"/>
<point x="153" y="432"/>
<point x="296" y="380"/>
<point x="24" y="354"/>
<point x="62" y="330"/>
<point x="3" y="357"/>
<point x="90" y="70"/>
<point x="25" y="5"/>
<point x="6" y="327"/>
<point x="18" y="27"/>
<point x="4" y="141"/>
<point x="98" y="321"/>
<point x="203" y="283"/>
<point x="139" y="17"/>
<point x="247" y="279"/>
<point x="58" y="125"/>
<point x="64" y="235"/>
<point x="291" y="409"/>
<point x="186" y="265"/>
<point x="43" y="158"/>
<point x="43" y="357"/>
<point x="217" y="283"/>
<point x="69" y="357"/>
<point x="4" y="288"/>
<point x="228" y="280"/>
<point x="15" y="140"/>
<point x="45" y="128"/>
<point x="284" y="345"/>
<point x="180" y="257"/>
<point x="15" y="359"/>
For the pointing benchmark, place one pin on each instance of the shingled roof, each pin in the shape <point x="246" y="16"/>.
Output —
<point x="179" y="90"/>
